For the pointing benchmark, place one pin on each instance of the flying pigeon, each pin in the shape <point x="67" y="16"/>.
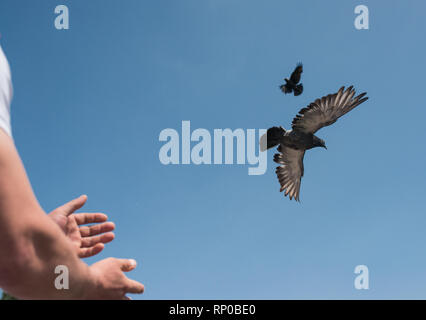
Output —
<point x="292" y="144"/>
<point x="292" y="84"/>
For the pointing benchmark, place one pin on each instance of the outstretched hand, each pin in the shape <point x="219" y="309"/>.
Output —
<point x="111" y="282"/>
<point x="88" y="240"/>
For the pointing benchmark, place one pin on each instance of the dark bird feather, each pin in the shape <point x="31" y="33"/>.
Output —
<point x="292" y="84"/>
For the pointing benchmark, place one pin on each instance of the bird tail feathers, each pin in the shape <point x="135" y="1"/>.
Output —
<point x="271" y="138"/>
<point x="285" y="88"/>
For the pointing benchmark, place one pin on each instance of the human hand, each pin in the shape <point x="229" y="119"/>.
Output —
<point x="110" y="282"/>
<point x="87" y="240"/>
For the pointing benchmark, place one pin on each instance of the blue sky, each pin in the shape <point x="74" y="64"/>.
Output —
<point x="91" y="101"/>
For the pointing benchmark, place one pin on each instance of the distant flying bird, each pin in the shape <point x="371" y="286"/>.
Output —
<point x="292" y="84"/>
<point x="292" y="144"/>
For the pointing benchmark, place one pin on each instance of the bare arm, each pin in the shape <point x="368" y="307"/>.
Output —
<point x="32" y="245"/>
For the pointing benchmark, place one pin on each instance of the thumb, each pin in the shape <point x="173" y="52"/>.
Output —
<point x="74" y="205"/>
<point x="127" y="265"/>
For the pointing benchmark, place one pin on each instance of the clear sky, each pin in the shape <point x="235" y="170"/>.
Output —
<point x="91" y="101"/>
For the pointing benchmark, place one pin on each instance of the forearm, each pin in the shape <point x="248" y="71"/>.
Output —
<point x="31" y="244"/>
<point x="30" y="269"/>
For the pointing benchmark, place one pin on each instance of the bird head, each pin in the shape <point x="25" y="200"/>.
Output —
<point x="322" y="144"/>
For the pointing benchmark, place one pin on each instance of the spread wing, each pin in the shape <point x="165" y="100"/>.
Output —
<point x="325" y="111"/>
<point x="290" y="172"/>
<point x="297" y="73"/>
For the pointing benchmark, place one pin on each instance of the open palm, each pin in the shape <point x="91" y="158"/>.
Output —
<point x="87" y="240"/>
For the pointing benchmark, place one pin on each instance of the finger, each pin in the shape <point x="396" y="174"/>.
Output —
<point x="86" y="218"/>
<point x="74" y="205"/>
<point x="134" y="286"/>
<point x="96" y="229"/>
<point x="88" y="242"/>
<point x="90" y="252"/>
<point x="127" y="265"/>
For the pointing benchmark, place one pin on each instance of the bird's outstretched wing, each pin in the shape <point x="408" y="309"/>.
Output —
<point x="297" y="73"/>
<point x="290" y="172"/>
<point x="325" y="111"/>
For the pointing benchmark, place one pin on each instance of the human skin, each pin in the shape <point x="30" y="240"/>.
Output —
<point x="87" y="240"/>
<point x="32" y="244"/>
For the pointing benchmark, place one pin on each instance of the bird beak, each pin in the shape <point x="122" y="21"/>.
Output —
<point x="324" y="146"/>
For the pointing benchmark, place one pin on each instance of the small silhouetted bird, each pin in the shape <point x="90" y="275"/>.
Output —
<point x="293" y="85"/>
<point x="292" y="144"/>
